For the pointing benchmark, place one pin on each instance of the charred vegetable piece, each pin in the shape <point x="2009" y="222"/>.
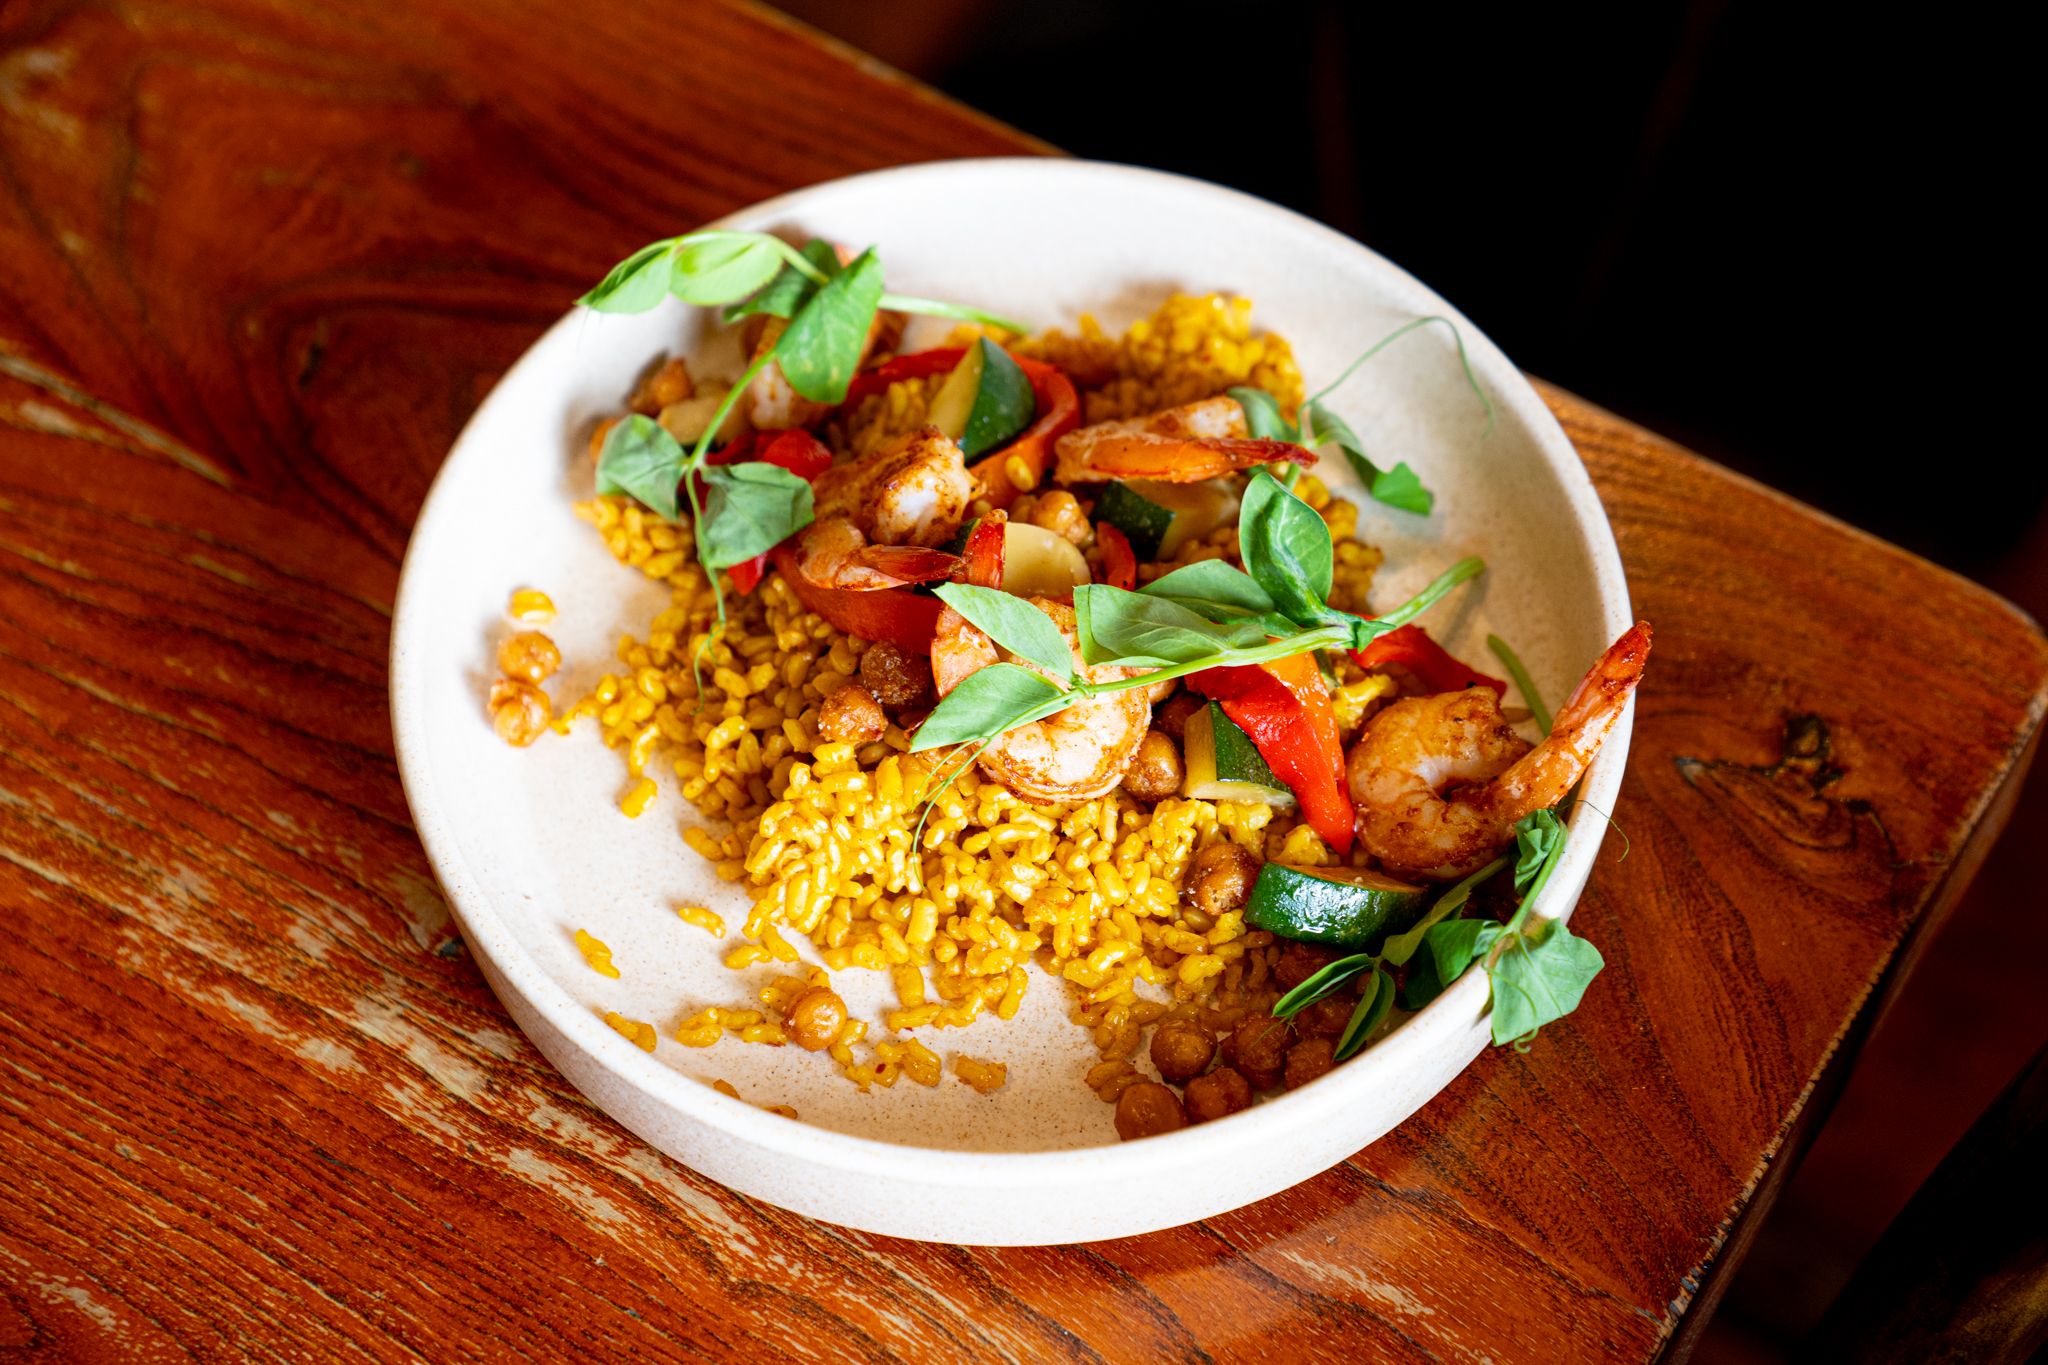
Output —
<point x="1224" y="765"/>
<point x="1346" y="906"/>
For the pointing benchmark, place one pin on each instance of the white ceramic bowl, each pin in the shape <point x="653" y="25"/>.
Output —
<point x="530" y="844"/>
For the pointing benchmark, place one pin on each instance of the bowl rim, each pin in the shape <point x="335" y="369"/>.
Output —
<point x="1456" y="1011"/>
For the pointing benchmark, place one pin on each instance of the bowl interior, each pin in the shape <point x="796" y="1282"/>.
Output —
<point x="531" y="843"/>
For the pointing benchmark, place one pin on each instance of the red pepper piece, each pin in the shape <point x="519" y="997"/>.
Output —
<point x="916" y="365"/>
<point x="898" y="615"/>
<point x="985" y="551"/>
<point x="1285" y="707"/>
<point x="1119" y="561"/>
<point x="1432" y="665"/>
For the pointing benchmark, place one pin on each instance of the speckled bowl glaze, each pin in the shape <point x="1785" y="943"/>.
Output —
<point x="530" y="844"/>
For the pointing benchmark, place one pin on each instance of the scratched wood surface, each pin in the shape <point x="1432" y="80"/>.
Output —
<point x="260" y="262"/>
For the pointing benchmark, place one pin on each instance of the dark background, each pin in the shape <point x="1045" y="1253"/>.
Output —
<point x="1785" y="237"/>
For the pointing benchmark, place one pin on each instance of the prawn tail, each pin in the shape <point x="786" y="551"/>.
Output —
<point x="1597" y="699"/>
<point x="1541" y="777"/>
<point x="909" y="563"/>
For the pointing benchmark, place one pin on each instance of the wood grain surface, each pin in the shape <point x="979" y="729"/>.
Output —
<point x="260" y="261"/>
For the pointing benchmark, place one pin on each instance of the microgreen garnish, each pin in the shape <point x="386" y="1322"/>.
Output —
<point x="830" y="310"/>
<point x="1399" y="487"/>
<point x="1513" y="664"/>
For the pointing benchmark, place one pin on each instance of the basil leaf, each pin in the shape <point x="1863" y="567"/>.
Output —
<point x="1397" y="487"/>
<point x="1420" y="985"/>
<point x="1286" y="547"/>
<point x="791" y="289"/>
<point x="1539" y="839"/>
<point x="1328" y="981"/>
<point x="749" y="509"/>
<point x="1151" y="632"/>
<point x="721" y="267"/>
<point x="1455" y="943"/>
<point x="1372" y="1008"/>
<point x="1540" y="979"/>
<point x="1262" y="415"/>
<point x="1214" y="588"/>
<point x="823" y="344"/>
<point x="1364" y="631"/>
<point x="635" y="284"/>
<point x="987" y="702"/>
<point x="642" y="460"/>
<point x="1014" y="624"/>
<point x="1399" y="948"/>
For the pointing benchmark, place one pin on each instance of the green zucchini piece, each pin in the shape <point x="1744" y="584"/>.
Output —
<point x="985" y="401"/>
<point x="1159" y="518"/>
<point x="1346" y="906"/>
<point x="1222" y="763"/>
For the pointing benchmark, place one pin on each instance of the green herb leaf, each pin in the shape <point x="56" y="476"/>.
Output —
<point x="1013" y="623"/>
<point x="823" y="344"/>
<point x="1372" y="1008"/>
<point x="1213" y="588"/>
<point x="641" y="460"/>
<point x="791" y="288"/>
<point x="1539" y="839"/>
<point x="1397" y="487"/>
<point x="1364" y="631"/>
<point x="1513" y="664"/>
<point x="1539" y="979"/>
<point x="1286" y="547"/>
<point x="1326" y="982"/>
<point x="721" y="267"/>
<point x="1262" y="415"/>
<point x="749" y="509"/>
<point x="1420" y="985"/>
<point x="1399" y="948"/>
<point x="987" y="702"/>
<point x="1133" y="629"/>
<point x="637" y="283"/>
<point x="1454" y="944"/>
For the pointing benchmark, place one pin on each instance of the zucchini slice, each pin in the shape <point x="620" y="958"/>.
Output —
<point x="1159" y="518"/>
<point x="985" y="401"/>
<point x="1346" y="906"/>
<point x="1040" y="563"/>
<point x="1224" y="765"/>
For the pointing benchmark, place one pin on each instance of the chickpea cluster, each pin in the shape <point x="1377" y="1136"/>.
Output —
<point x="519" y="710"/>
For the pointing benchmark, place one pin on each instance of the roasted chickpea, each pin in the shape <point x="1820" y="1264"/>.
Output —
<point x="1220" y="879"/>
<point x="1300" y="961"/>
<point x="529" y="656"/>
<point x="1220" y="1093"/>
<point x="688" y="420"/>
<point x="1328" y="1017"/>
<point x="1181" y="1049"/>
<point x="814" y="1018"/>
<point x="1147" y="1109"/>
<point x="1172" y="716"/>
<point x="1308" y="1059"/>
<point x="519" y="711"/>
<point x="894" y="677"/>
<point x="1155" y="773"/>
<point x="668" y="384"/>
<point x="1258" y="1047"/>
<point x="853" y="715"/>
<point x="1060" y="512"/>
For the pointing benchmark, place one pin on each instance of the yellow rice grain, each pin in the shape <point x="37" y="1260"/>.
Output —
<point x="531" y="605"/>
<point x="596" y="953"/>
<point x="637" y="797"/>
<point x="709" y="921"/>
<point x="985" y="1077"/>
<point x="640" y="1035"/>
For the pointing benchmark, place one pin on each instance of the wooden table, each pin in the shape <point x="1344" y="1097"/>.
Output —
<point x="261" y="261"/>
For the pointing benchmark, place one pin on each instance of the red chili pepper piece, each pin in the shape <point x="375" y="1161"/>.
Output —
<point x="903" y="617"/>
<point x="1432" y="665"/>
<point x="1285" y="707"/>
<point x="801" y="453"/>
<point x="1119" y="561"/>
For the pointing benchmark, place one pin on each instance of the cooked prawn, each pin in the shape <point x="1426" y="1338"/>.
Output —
<point x="1186" y="444"/>
<point x="773" y="404"/>
<point x="1441" y="780"/>
<point x="1073" y="755"/>
<point x="908" y="496"/>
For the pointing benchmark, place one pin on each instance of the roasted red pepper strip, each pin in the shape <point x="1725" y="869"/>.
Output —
<point x="904" y="618"/>
<point x="1119" y="561"/>
<point x="985" y="551"/>
<point x="1432" y="665"/>
<point x="1285" y="707"/>
<point x="916" y="365"/>
<point x="801" y="453"/>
